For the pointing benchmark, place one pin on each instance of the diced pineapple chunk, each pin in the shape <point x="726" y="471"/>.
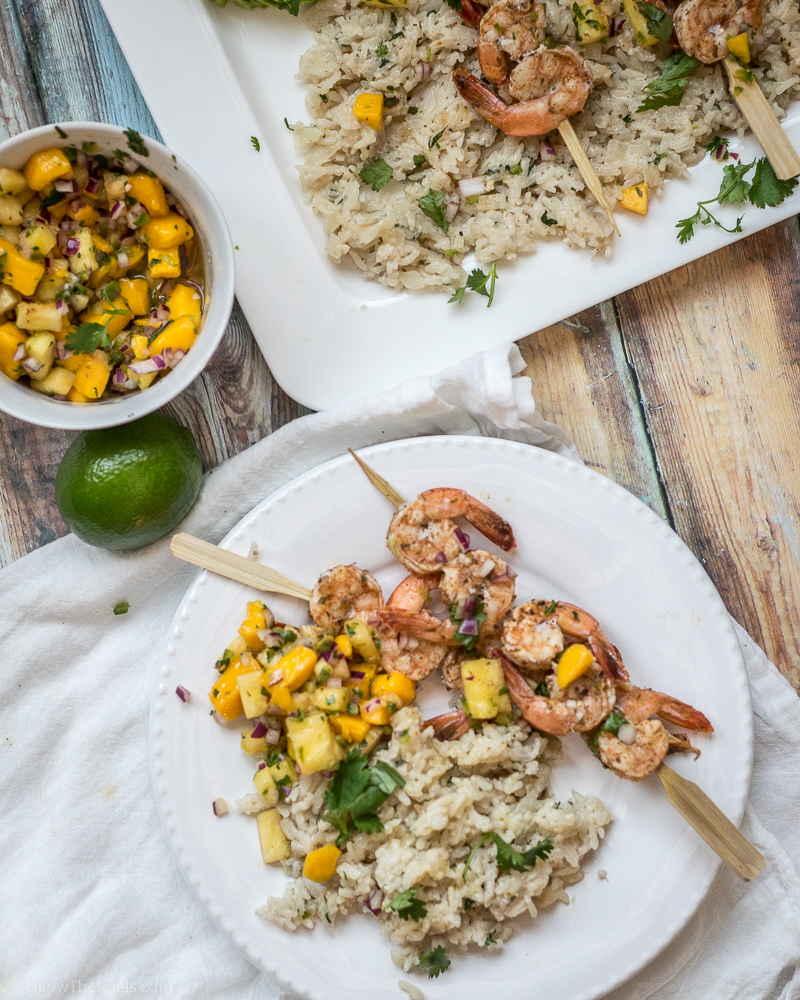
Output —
<point x="362" y="638"/>
<point x="253" y="745"/>
<point x="639" y="24"/>
<point x="253" y="692"/>
<point x="39" y="316"/>
<point x="313" y="743"/>
<point x="331" y="699"/>
<point x="591" y="24"/>
<point x="57" y="382"/>
<point x="485" y="690"/>
<point x="274" y="845"/>
<point x="41" y="347"/>
<point x="12" y="181"/>
<point x="8" y="299"/>
<point x="265" y="784"/>
<point x="283" y="772"/>
<point x="39" y="239"/>
<point x="10" y="210"/>
<point x="83" y="262"/>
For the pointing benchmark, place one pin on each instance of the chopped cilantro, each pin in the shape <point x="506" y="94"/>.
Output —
<point x="432" y="205"/>
<point x="381" y="50"/>
<point x="121" y="608"/>
<point x="547" y="220"/>
<point x="767" y="188"/>
<point x="61" y="132"/>
<point x="659" y="24"/>
<point x="255" y="143"/>
<point x="477" y="282"/>
<point x="434" y="140"/>
<point x="412" y="110"/>
<point x="508" y="858"/>
<point x="542" y="689"/>
<point x="551" y="607"/>
<point x="356" y="793"/>
<point x="468" y="904"/>
<point x="436" y="960"/>
<point x="377" y="174"/>
<point x="87" y="338"/>
<point x="490" y="937"/>
<point x="666" y="90"/>
<point x="109" y="291"/>
<point x="286" y="123"/>
<point x="611" y="725"/>
<point x="407" y="907"/>
<point x="135" y="142"/>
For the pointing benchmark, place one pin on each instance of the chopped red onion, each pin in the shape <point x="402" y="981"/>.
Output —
<point x="261" y="765"/>
<point x="82" y="159"/>
<point x="469" y="626"/>
<point x="119" y="376"/>
<point x="276" y="677"/>
<point x="92" y="185"/>
<point x="469" y="606"/>
<point x="159" y="362"/>
<point x="123" y="260"/>
<point x="31" y="365"/>
<point x="373" y="902"/>
<point x="20" y="352"/>
<point x="62" y="352"/>
<point x="333" y="682"/>
<point x="315" y="889"/>
<point x="25" y="251"/>
<point x="183" y="693"/>
<point x="273" y="709"/>
<point x="471" y="186"/>
<point x="547" y="151"/>
<point x="116" y="210"/>
<point x="357" y="674"/>
<point x="131" y="165"/>
<point x="66" y="187"/>
<point x="273" y="737"/>
<point x="217" y="718"/>
<point x="159" y="315"/>
<point x="144" y="367"/>
<point x="220" y="807"/>
<point x="423" y="70"/>
<point x="734" y="156"/>
<point x="72" y="247"/>
<point x="77" y="205"/>
<point x="374" y="704"/>
<point x="462" y="537"/>
<point x="440" y="558"/>
<point x="259" y="730"/>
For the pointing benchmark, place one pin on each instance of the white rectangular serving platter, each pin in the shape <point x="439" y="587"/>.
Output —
<point x="213" y="78"/>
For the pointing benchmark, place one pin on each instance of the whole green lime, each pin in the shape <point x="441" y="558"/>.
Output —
<point x="126" y="487"/>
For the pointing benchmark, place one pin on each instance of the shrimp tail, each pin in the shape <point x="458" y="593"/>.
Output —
<point x="609" y="658"/>
<point x="484" y="101"/>
<point x="420" y="624"/>
<point x="681" y="714"/>
<point x="472" y="12"/>
<point x="450" y="725"/>
<point x="533" y="708"/>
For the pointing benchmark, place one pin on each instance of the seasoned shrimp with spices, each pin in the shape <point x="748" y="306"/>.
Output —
<point x="528" y="642"/>
<point x="343" y="592"/>
<point x="414" y="656"/>
<point x="703" y="27"/>
<point x="579" y="707"/>
<point x="550" y="85"/>
<point x="424" y="538"/>
<point x="510" y="29"/>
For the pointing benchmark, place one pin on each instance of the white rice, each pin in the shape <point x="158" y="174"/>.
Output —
<point x="495" y="781"/>
<point x="387" y="236"/>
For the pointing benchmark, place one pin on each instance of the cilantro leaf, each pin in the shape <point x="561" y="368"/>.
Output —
<point x="455" y="4"/>
<point x="659" y="24"/>
<point x="434" y="141"/>
<point x="356" y="793"/>
<point x="109" y="291"/>
<point x="766" y="188"/>
<point x="734" y="189"/>
<point x="611" y="725"/>
<point x="377" y="174"/>
<point x="508" y="858"/>
<point x="542" y="689"/>
<point x="666" y="90"/>
<point x="435" y="961"/>
<point x="477" y="281"/>
<point x="719" y="143"/>
<point x="547" y="220"/>
<point x="458" y="295"/>
<point x="406" y="907"/>
<point x="121" y="608"/>
<point x="135" y="142"/>
<point x="686" y="227"/>
<point x="61" y="132"/>
<point x="254" y="142"/>
<point x="87" y="338"/>
<point x="432" y="205"/>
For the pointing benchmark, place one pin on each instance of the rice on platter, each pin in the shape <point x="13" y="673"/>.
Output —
<point x="471" y="839"/>
<point x="494" y="195"/>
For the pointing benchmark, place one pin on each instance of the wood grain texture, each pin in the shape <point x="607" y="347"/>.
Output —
<point x="59" y="61"/>
<point x="720" y="381"/>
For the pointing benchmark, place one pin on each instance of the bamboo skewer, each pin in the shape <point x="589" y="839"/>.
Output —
<point x="379" y="482"/>
<point x="588" y="172"/>
<point x="761" y="118"/>
<point x="689" y="799"/>
<point x="228" y="564"/>
<point x="712" y="824"/>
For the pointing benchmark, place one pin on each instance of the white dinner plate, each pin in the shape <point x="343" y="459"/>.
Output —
<point x="327" y="334"/>
<point x="580" y="538"/>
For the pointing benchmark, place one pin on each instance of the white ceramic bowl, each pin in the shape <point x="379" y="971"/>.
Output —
<point x="215" y="244"/>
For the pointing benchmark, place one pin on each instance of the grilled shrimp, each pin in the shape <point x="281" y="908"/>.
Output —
<point x="703" y="26"/>
<point x="550" y="85"/>
<point x="414" y="656"/>
<point x="579" y="707"/>
<point x="423" y="537"/>
<point x="341" y="593"/>
<point x="531" y="636"/>
<point x="642" y="743"/>
<point x="510" y="29"/>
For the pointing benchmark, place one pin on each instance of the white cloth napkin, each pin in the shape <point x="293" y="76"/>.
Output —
<point x="90" y="898"/>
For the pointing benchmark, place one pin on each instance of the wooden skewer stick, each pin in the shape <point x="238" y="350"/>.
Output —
<point x="712" y="824"/>
<point x="761" y="118"/>
<point x="379" y="482"/>
<point x="588" y="172"/>
<point x="223" y="563"/>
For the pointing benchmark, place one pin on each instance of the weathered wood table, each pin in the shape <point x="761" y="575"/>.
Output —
<point x="684" y="390"/>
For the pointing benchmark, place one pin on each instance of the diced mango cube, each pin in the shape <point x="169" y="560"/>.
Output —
<point x="368" y="108"/>
<point x="185" y="301"/>
<point x="114" y="316"/>
<point x="21" y="274"/>
<point x="45" y="167"/>
<point x="77" y="397"/>
<point x="92" y="378"/>
<point x="573" y="663"/>
<point x="10" y="339"/>
<point x="344" y="646"/>
<point x="634" y="198"/>
<point x="224" y="695"/>
<point x="180" y="334"/>
<point x="352" y="727"/>
<point x="164" y="263"/>
<point x="394" y="687"/>
<point x="320" y="865"/>
<point x="739" y="46"/>
<point x="149" y="191"/>
<point x="168" y="232"/>
<point x="375" y="712"/>
<point x="294" y="668"/>
<point x="281" y="696"/>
